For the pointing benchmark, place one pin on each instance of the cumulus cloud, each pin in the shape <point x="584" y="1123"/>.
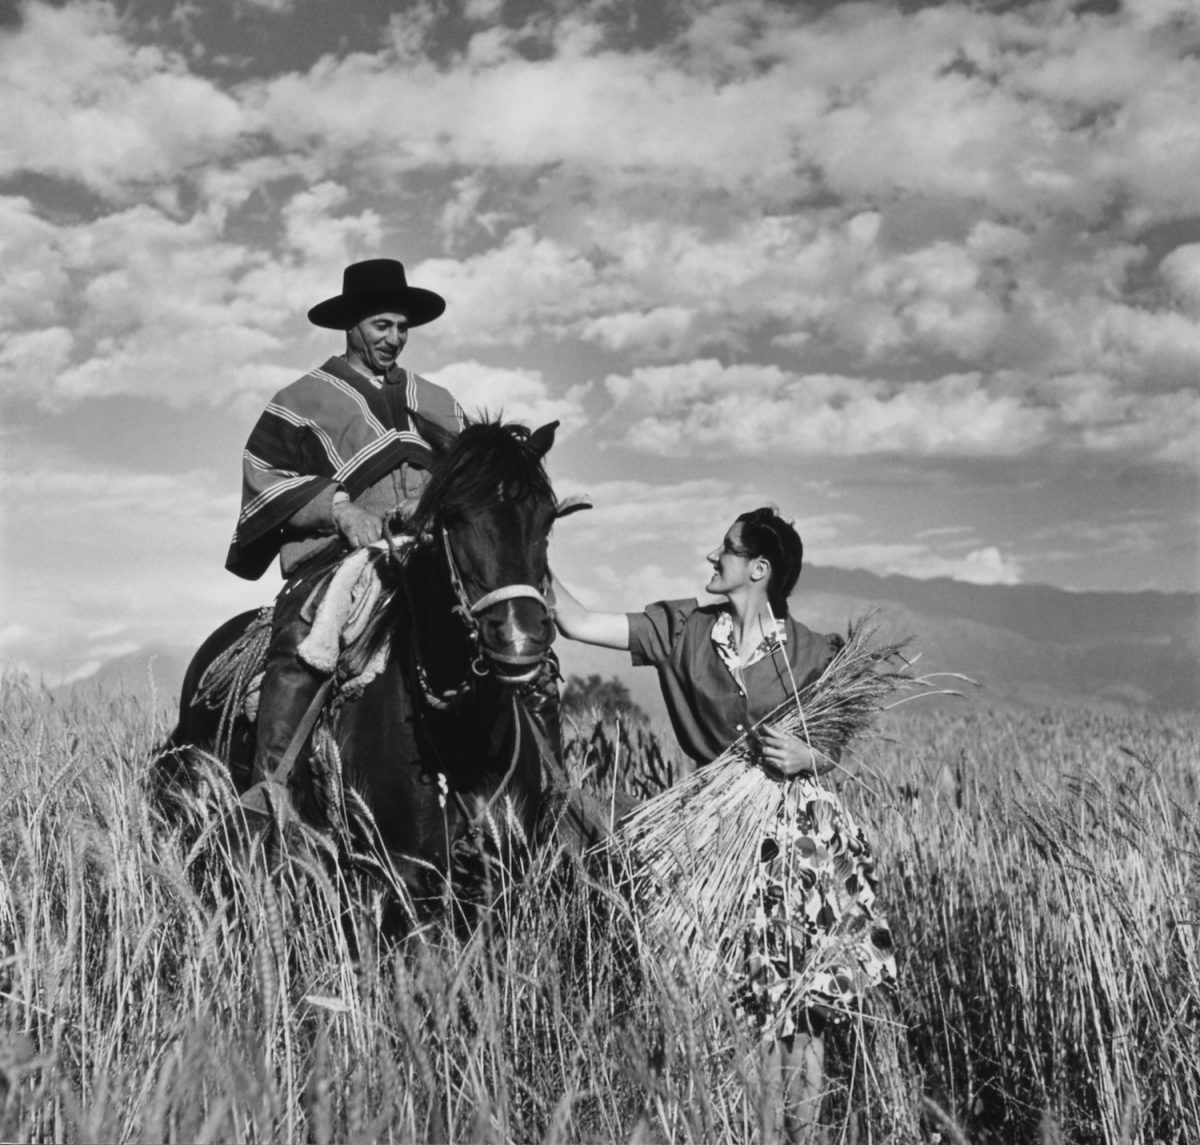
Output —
<point x="119" y="116"/>
<point x="463" y="216"/>
<point x="28" y="359"/>
<point x="518" y="395"/>
<point x="1013" y="111"/>
<point x="580" y="105"/>
<point x="752" y="409"/>
<point x="482" y="10"/>
<point x="1098" y="415"/>
<point x="653" y="287"/>
<point x="317" y="228"/>
<point x="986" y="564"/>
<point x="1007" y="110"/>
<point x="747" y="409"/>
<point x="35" y="279"/>
<point x="141" y="301"/>
<point x="504" y="295"/>
<point x="1180" y="270"/>
<point x="660" y="332"/>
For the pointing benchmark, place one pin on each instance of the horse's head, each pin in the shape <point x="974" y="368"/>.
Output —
<point x="489" y="505"/>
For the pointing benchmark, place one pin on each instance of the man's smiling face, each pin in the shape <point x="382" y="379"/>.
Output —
<point x="375" y="342"/>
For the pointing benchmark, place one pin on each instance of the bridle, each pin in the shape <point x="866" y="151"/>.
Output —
<point x="469" y="612"/>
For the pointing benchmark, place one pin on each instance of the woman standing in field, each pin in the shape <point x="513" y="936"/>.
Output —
<point x="813" y="945"/>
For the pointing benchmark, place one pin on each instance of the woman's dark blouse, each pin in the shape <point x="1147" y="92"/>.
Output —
<point x="707" y="706"/>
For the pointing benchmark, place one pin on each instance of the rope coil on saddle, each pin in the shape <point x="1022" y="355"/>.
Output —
<point x="233" y="676"/>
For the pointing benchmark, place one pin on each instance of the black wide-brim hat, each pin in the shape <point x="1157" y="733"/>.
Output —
<point x="376" y="286"/>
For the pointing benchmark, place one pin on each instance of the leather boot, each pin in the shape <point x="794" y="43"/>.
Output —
<point x="288" y="688"/>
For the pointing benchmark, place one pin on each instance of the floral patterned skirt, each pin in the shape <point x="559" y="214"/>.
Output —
<point x="812" y="943"/>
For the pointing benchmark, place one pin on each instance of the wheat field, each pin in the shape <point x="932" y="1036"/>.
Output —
<point x="1037" y="869"/>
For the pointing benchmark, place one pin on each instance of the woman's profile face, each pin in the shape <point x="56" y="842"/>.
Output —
<point x="730" y="561"/>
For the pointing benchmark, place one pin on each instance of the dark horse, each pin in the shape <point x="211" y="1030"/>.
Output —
<point x="440" y="745"/>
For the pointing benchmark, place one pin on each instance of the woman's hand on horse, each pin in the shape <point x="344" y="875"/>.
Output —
<point x="790" y="756"/>
<point x="606" y="629"/>
<point x="359" y="527"/>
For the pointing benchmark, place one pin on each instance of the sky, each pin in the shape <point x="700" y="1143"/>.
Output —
<point x="925" y="276"/>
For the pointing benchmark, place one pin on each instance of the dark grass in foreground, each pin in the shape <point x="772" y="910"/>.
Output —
<point x="1037" y="869"/>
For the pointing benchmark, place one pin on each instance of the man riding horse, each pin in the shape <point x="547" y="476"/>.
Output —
<point x="335" y="458"/>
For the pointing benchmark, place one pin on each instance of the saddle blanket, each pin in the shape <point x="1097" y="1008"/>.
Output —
<point x="349" y="607"/>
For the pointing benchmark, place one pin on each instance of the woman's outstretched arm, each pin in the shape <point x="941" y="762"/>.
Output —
<point x="607" y="629"/>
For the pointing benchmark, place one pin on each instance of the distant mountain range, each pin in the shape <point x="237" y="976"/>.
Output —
<point x="1025" y="645"/>
<point x="1031" y="644"/>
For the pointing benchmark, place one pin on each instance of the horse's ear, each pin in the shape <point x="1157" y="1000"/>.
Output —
<point x="437" y="437"/>
<point x="540" y="440"/>
<point x="573" y="504"/>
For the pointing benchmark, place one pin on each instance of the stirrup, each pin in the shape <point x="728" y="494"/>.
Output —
<point x="266" y="798"/>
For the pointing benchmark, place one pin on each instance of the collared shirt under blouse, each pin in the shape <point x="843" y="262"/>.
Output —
<point x="710" y="704"/>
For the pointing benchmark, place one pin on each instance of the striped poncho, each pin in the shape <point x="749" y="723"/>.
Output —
<point x="334" y="428"/>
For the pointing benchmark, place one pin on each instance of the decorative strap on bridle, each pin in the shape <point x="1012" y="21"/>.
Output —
<point x="509" y="592"/>
<point x="469" y="611"/>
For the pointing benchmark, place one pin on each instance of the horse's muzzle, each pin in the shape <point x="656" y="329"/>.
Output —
<point x="515" y="633"/>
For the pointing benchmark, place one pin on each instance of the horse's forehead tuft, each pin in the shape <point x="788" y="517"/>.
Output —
<point x="489" y="465"/>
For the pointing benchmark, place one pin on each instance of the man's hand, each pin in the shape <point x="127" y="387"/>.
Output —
<point x="790" y="756"/>
<point x="359" y="527"/>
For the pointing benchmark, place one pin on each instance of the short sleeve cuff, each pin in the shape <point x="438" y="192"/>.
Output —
<point x="641" y="637"/>
<point x="654" y="631"/>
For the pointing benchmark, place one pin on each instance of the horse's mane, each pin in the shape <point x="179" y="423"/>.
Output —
<point x="487" y="462"/>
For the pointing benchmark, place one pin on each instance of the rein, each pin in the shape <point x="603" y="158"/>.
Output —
<point x="481" y="814"/>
